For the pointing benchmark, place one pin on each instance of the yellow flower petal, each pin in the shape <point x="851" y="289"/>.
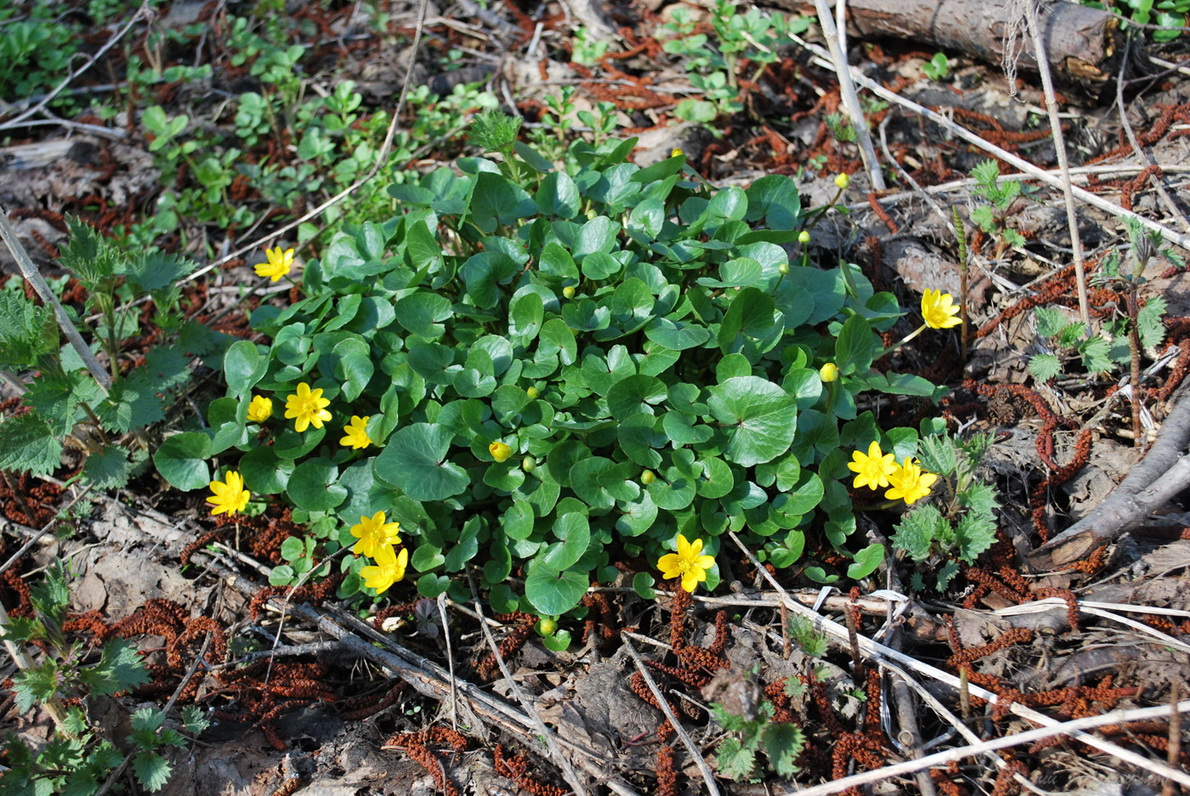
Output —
<point x="686" y="563"/>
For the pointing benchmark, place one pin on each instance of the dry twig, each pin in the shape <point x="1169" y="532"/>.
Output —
<point x="838" y="62"/>
<point x="708" y="776"/>
<point x="1051" y="106"/>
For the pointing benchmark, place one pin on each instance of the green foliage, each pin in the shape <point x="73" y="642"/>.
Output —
<point x="77" y="759"/>
<point x="1166" y="14"/>
<point x="1068" y="342"/>
<point x="809" y="639"/>
<point x="716" y="64"/>
<point x="603" y="319"/>
<point x="960" y="523"/>
<point x="65" y="401"/>
<point x="737" y="755"/>
<point x="35" y="52"/>
<point x="937" y="68"/>
<point x="1002" y="196"/>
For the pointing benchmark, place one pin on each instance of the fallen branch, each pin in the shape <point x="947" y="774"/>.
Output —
<point x="544" y="732"/>
<point x="859" y="123"/>
<point x="1082" y="43"/>
<point x="1051" y="106"/>
<point x="1162" y="474"/>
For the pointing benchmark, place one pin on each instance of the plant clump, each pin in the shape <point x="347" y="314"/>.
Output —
<point x="561" y="367"/>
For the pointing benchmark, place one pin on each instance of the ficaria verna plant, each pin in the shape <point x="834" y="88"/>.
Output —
<point x="547" y="373"/>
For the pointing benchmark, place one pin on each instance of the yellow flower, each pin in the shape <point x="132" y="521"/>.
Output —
<point x="260" y="409"/>
<point x="307" y="408"/>
<point x="828" y="372"/>
<point x="842" y="181"/>
<point x="939" y="310"/>
<point x="500" y="451"/>
<point x="228" y="495"/>
<point x="373" y="534"/>
<point x="280" y="263"/>
<point x="675" y="153"/>
<point x="686" y="563"/>
<point x="357" y="433"/>
<point x="874" y="469"/>
<point x="390" y="568"/>
<point x="909" y="483"/>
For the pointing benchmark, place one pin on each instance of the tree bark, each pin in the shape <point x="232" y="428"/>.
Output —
<point x="1082" y="43"/>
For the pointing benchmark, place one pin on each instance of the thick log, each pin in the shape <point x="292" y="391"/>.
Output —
<point x="1083" y="43"/>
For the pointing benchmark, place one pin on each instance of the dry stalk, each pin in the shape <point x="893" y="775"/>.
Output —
<point x="544" y="732"/>
<point x="838" y="61"/>
<point x="30" y="272"/>
<point x="53" y="705"/>
<point x="1077" y="174"/>
<point x="1163" y="473"/>
<point x="1158" y="183"/>
<point x="708" y="776"/>
<point x="960" y="726"/>
<point x="1074" y="728"/>
<point x="1101" y="610"/>
<point x="1051" y="106"/>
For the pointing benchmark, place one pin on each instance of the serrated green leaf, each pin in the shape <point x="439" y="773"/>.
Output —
<point x="57" y="398"/>
<point x="734" y="761"/>
<point x="1148" y="321"/>
<point x="132" y="403"/>
<point x="28" y="445"/>
<point x="1045" y="367"/>
<point x="938" y="455"/>
<point x="782" y="744"/>
<point x="1050" y="320"/>
<point x="974" y="533"/>
<point x="36" y="685"/>
<point x="152" y="770"/>
<point x="120" y="668"/>
<point x="27" y="331"/>
<point x="108" y="468"/>
<point x="155" y="270"/>
<point x="917" y="530"/>
<point x="147" y="720"/>
<point x="981" y="499"/>
<point x="1096" y="354"/>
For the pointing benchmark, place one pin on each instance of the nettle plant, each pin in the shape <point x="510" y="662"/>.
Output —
<point x="69" y="407"/>
<point x="960" y="522"/>
<point x="65" y="678"/>
<point x="547" y="372"/>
